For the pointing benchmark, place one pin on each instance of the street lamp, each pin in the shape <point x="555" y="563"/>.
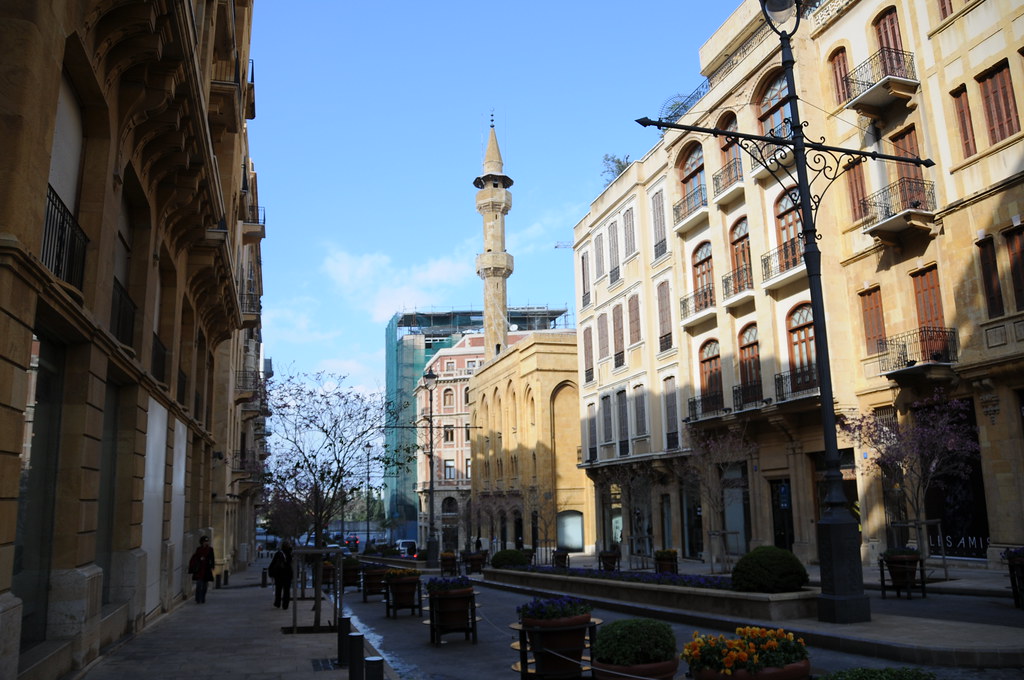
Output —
<point x="429" y="380"/>
<point x="842" y="598"/>
<point x="367" y="539"/>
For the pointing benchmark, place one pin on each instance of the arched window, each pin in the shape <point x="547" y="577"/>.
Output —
<point x="703" y="277"/>
<point x="750" y="365"/>
<point x="694" y="194"/>
<point x="711" y="376"/>
<point x="840" y="69"/>
<point x="448" y="398"/>
<point x="465" y="395"/>
<point x="773" y="108"/>
<point x="787" y="226"/>
<point x="739" y="247"/>
<point x="800" y="324"/>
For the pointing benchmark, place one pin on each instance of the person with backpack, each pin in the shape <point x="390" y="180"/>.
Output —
<point x="280" y="570"/>
<point x="201" y="568"/>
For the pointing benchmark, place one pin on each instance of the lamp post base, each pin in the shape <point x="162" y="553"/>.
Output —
<point x="842" y="598"/>
<point x="432" y="553"/>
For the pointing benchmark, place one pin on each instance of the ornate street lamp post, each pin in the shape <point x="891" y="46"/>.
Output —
<point x="429" y="380"/>
<point x="367" y="539"/>
<point x="842" y="597"/>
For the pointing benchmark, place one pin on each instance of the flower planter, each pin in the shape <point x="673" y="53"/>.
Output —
<point x="560" y="559"/>
<point x="404" y="593"/>
<point x="1016" y="565"/>
<point x="609" y="560"/>
<point x="373" y="582"/>
<point x="349" y="576"/>
<point x="902" y="573"/>
<point x="453" y="611"/>
<point x="664" y="670"/>
<point x="666" y="565"/>
<point x="475" y="563"/>
<point x="449" y="566"/>
<point x="557" y="644"/>
<point x="800" y="670"/>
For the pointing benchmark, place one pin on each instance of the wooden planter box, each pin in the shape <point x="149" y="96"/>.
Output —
<point x="757" y="606"/>
<point x="404" y="593"/>
<point x="373" y="582"/>
<point x="453" y="611"/>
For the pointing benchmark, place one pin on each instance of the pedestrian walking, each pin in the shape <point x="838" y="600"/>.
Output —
<point x="280" y="570"/>
<point x="201" y="568"/>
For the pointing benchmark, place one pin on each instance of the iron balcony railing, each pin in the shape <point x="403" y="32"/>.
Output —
<point x="592" y="454"/>
<point x="250" y="303"/>
<point x="885" y="63"/>
<point x="906" y="193"/>
<point x="730" y="174"/>
<point x="696" y="199"/>
<point x="798" y="382"/>
<point x="921" y="345"/>
<point x="787" y="256"/>
<point x="247" y="381"/>
<point x="747" y="394"/>
<point x="158" y="363"/>
<point x="768" y="150"/>
<point x="586" y="298"/>
<point x="660" y="248"/>
<point x="707" y="405"/>
<point x="737" y="281"/>
<point x="256" y="214"/>
<point x="623" y="447"/>
<point x="671" y="441"/>
<point x="702" y="299"/>
<point x="613" y="275"/>
<point x="63" y="242"/>
<point x="588" y="375"/>
<point x="664" y="342"/>
<point x="122" y="315"/>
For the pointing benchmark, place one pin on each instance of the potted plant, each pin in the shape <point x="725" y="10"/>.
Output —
<point x="642" y="648"/>
<point x="756" y="652"/>
<point x="608" y="560"/>
<point x="560" y="558"/>
<point x="403" y="590"/>
<point x="556" y="629"/>
<point x="373" y="580"/>
<point x="449" y="564"/>
<point x="452" y="607"/>
<point x="902" y="564"/>
<point x="1015" y="559"/>
<point x="665" y="562"/>
<point x="349" y="572"/>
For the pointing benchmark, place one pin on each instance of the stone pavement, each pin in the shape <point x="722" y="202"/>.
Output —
<point x="966" y="621"/>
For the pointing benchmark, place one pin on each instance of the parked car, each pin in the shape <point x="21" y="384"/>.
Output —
<point x="408" y="548"/>
<point x="352" y="542"/>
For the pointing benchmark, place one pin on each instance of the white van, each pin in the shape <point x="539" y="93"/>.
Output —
<point x="407" y="549"/>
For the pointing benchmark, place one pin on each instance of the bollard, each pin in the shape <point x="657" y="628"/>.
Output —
<point x="374" y="668"/>
<point x="263" y="578"/>
<point x="226" y="575"/>
<point x="355" y="656"/>
<point x="216" y="582"/>
<point x="344" y="628"/>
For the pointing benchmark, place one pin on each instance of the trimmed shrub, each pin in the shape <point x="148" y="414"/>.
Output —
<point x="881" y="674"/>
<point x="628" y="642"/>
<point x="503" y="559"/>
<point x="768" y="569"/>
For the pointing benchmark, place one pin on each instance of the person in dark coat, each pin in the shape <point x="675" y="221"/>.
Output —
<point x="201" y="568"/>
<point x="281" y="570"/>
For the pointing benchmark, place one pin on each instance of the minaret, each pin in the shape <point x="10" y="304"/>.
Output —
<point x="494" y="265"/>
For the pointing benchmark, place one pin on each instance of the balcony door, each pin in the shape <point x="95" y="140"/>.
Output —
<point x="787" y="225"/>
<point x="928" y="296"/>
<point x="703" y="277"/>
<point x="740" y="238"/>
<point x="801" y="349"/>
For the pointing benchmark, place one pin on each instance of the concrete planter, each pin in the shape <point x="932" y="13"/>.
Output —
<point x="758" y="606"/>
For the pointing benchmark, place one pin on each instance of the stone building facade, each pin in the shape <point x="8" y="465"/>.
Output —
<point x="693" y="302"/>
<point x="130" y="278"/>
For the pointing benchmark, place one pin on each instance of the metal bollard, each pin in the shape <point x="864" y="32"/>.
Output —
<point x="374" y="668"/>
<point x="216" y="582"/>
<point x="263" y="578"/>
<point x="226" y="575"/>
<point x="355" y="656"/>
<point x="344" y="628"/>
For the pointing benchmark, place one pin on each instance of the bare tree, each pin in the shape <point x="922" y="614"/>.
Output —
<point x="613" y="167"/>
<point x="933" y="447"/>
<point x="320" y="431"/>
<point x="706" y="470"/>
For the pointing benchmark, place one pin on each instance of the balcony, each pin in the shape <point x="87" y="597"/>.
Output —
<point x="907" y="203"/>
<point x="660" y="248"/>
<point x="588" y="375"/>
<point x="664" y="342"/>
<point x="918" y="351"/>
<point x="614" y="276"/>
<point x="254" y="224"/>
<point x="738" y="286"/>
<point x="707" y="406"/>
<point x="586" y="299"/>
<point x="247" y="383"/>
<point x="773" y="155"/>
<point x="698" y="307"/>
<point x="671" y="441"/>
<point x="251" y="306"/>
<point x="800" y="382"/>
<point x="728" y="181"/>
<point x="226" y="106"/>
<point x="122" y="315"/>
<point x="747" y="395"/>
<point x="692" y="210"/>
<point x="63" y="242"/>
<point x="784" y="264"/>
<point x="886" y="76"/>
<point x="619" y="359"/>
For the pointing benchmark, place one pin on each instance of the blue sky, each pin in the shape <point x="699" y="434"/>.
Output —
<point x="371" y="125"/>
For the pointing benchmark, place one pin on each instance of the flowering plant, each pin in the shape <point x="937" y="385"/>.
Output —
<point x="443" y="585"/>
<point x="902" y="552"/>
<point x="553" y="608"/>
<point x="753" y="649"/>
<point x="1012" y="553"/>
<point x="665" y="554"/>
<point x="400" y="573"/>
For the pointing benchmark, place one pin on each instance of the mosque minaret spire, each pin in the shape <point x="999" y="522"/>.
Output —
<point x="494" y="265"/>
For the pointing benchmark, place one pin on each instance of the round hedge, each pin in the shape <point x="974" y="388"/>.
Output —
<point x="628" y="642"/>
<point x="768" y="569"/>
<point x="503" y="559"/>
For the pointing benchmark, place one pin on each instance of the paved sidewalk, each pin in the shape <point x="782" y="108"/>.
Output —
<point x="236" y="634"/>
